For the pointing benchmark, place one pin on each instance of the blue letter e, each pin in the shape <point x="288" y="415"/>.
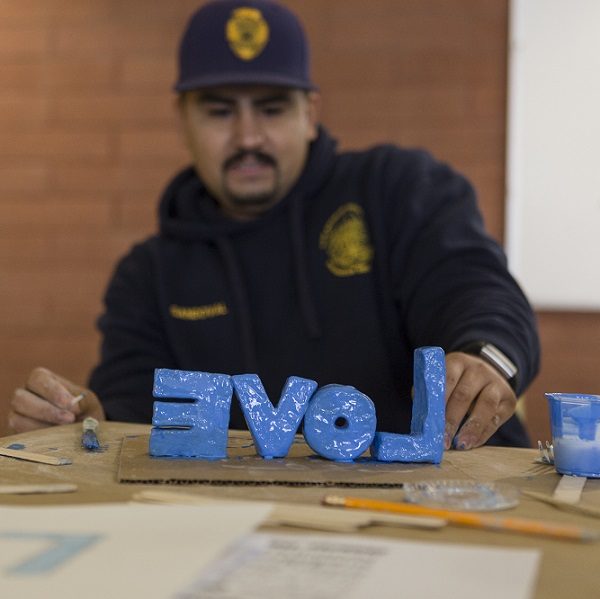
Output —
<point x="192" y="430"/>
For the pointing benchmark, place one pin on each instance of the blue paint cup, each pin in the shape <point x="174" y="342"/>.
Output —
<point x="575" y="422"/>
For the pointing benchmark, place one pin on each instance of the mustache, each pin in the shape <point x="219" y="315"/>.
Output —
<point x="258" y="156"/>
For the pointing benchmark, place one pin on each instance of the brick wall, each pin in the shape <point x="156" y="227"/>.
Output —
<point x="89" y="136"/>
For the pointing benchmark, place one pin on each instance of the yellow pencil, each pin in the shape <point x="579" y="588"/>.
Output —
<point x="519" y="525"/>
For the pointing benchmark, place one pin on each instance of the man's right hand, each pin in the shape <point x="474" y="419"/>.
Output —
<point x="48" y="399"/>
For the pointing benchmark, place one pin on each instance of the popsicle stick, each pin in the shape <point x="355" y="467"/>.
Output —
<point x="77" y="399"/>
<point x="569" y="488"/>
<point x="313" y="517"/>
<point x="576" y="508"/>
<point x="29" y="456"/>
<point x="37" y="489"/>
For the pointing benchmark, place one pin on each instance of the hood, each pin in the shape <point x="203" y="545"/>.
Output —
<point x="188" y="212"/>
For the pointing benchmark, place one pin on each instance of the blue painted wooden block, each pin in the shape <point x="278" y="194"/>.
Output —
<point x="340" y="422"/>
<point x="426" y="440"/>
<point x="273" y="429"/>
<point x="193" y="430"/>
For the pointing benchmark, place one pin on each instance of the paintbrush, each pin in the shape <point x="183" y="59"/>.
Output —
<point x="89" y="439"/>
<point x="519" y="525"/>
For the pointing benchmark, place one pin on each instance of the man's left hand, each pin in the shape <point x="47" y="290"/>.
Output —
<point x="478" y="391"/>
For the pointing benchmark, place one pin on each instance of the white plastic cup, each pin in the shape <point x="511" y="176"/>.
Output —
<point x="575" y="422"/>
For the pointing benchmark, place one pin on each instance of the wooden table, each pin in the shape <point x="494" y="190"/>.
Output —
<point x="567" y="569"/>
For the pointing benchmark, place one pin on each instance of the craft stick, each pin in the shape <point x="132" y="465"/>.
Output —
<point x="37" y="489"/>
<point x="77" y="399"/>
<point x="28" y="456"/>
<point x="575" y="508"/>
<point x="569" y="488"/>
<point x="518" y="525"/>
<point x="312" y="517"/>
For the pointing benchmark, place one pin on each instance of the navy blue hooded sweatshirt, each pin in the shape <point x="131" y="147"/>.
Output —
<point x="371" y="255"/>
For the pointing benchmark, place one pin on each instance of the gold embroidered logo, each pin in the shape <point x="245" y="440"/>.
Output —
<point x="247" y="33"/>
<point x="346" y="241"/>
<point x="198" y="312"/>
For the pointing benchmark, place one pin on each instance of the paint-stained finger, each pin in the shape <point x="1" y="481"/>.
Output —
<point x="28" y="405"/>
<point x="494" y="406"/>
<point x="45" y="384"/>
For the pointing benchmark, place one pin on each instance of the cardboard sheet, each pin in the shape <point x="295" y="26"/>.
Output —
<point x="243" y="467"/>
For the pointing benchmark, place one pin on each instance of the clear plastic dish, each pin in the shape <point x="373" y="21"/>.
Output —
<point x="466" y="495"/>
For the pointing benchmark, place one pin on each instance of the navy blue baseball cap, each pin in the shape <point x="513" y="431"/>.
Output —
<point x="232" y="42"/>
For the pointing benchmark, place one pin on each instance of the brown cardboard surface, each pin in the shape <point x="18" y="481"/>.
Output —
<point x="243" y="467"/>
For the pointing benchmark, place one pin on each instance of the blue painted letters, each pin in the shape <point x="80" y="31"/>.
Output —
<point x="191" y="430"/>
<point x="339" y="420"/>
<point x="339" y="423"/>
<point x="426" y="440"/>
<point x="273" y="429"/>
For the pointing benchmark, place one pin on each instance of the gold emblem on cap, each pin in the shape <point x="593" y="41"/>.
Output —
<point x="247" y="33"/>
<point x="345" y="239"/>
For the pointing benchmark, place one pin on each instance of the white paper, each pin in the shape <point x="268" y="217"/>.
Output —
<point x="115" y="551"/>
<point x="273" y="566"/>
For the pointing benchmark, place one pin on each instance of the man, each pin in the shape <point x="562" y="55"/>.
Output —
<point x="279" y="256"/>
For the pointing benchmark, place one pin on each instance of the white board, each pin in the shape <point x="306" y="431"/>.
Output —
<point x="553" y="162"/>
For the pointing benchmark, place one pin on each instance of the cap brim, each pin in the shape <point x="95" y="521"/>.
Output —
<point x="217" y="79"/>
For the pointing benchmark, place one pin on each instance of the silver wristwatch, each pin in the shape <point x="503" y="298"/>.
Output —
<point x="493" y="356"/>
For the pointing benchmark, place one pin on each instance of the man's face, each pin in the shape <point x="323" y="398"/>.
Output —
<point x="249" y="143"/>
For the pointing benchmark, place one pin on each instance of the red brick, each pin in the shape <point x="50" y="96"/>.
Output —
<point x="56" y="212"/>
<point x="155" y="74"/>
<point x="70" y="353"/>
<point x="136" y="145"/>
<point x="31" y="177"/>
<point x="18" y="111"/>
<point x="142" y="11"/>
<point x="100" y="110"/>
<point x="26" y="11"/>
<point x="53" y="144"/>
<point x="23" y="41"/>
<point x="96" y="74"/>
<point x="112" y="38"/>
<point x="77" y="251"/>
<point x="54" y="298"/>
<point x="22" y="76"/>
<point x="139" y="211"/>
<point x="145" y="178"/>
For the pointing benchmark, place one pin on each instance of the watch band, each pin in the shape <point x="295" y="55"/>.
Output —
<point x="496" y="358"/>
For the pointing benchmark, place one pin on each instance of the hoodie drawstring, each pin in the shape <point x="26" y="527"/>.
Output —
<point x="307" y="304"/>
<point x="240" y="298"/>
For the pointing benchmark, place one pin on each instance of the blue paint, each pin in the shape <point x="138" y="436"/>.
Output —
<point x="575" y="423"/>
<point x="426" y="440"/>
<point x="89" y="441"/>
<point x="62" y="548"/>
<point x="340" y="423"/>
<point x="192" y="430"/>
<point x="16" y="446"/>
<point x="273" y="429"/>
